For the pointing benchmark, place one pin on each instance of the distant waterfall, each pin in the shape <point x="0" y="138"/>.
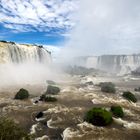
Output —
<point x="19" y="53"/>
<point x="120" y="64"/>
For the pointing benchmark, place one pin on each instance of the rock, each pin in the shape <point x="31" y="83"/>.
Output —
<point x="36" y="102"/>
<point x="137" y="89"/>
<point x="129" y="96"/>
<point x="22" y="94"/>
<point x="117" y="111"/>
<point x="50" y="82"/>
<point x="98" y="117"/>
<point x="39" y="115"/>
<point x="47" y="98"/>
<point x="108" y="87"/>
<point x="89" y="83"/>
<point x="52" y="90"/>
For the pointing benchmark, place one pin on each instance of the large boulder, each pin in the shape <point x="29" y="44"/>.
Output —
<point x="108" y="87"/>
<point x="98" y="117"/>
<point x="22" y="94"/>
<point x="129" y="96"/>
<point x="52" y="90"/>
<point x="117" y="111"/>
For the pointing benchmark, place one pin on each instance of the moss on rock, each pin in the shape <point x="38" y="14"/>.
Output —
<point x="22" y="94"/>
<point x="98" y="117"/>
<point x="129" y="96"/>
<point x="108" y="87"/>
<point x="117" y="111"/>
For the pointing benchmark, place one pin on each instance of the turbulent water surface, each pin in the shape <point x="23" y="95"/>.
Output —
<point x="64" y="118"/>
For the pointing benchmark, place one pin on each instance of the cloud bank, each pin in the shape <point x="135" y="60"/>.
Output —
<point x="106" y="27"/>
<point x="37" y="15"/>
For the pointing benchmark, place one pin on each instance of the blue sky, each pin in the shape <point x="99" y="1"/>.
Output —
<point x="36" y="21"/>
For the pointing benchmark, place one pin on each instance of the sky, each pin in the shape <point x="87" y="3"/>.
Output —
<point x="106" y="27"/>
<point x="83" y="27"/>
<point x="36" y="21"/>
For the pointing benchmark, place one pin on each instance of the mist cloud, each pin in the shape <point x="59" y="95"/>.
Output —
<point x="105" y="27"/>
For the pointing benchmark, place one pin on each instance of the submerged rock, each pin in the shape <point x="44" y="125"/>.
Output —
<point x="39" y="115"/>
<point x="52" y="90"/>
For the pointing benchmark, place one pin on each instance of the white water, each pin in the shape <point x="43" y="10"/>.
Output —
<point x="21" y="53"/>
<point x="120" y="64"/>
<point x="22" y="64"/>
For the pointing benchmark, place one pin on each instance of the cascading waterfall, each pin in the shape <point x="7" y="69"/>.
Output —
<point x="22" y="64"/>
<point x="19" y="53"/>
<point x="120" y="64"/>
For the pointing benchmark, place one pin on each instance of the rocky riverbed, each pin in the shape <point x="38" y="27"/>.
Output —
<point x="64" y="119"/>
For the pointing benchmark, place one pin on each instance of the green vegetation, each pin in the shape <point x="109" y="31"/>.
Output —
<point x="52" y="90"/>
<point x="129" y="96"/>
<point x="107" y="87"/>
<point x="117" y="111"/>
<point x="99" y="117"/>
<point x="50" y="99"/>
<point x="47" y="98"/>
<point x="9" y="130"/>
<point x="22" y="94"/>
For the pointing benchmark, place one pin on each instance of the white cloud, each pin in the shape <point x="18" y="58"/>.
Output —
<point x="106" y="27"/>
<point x="40" y="14"/>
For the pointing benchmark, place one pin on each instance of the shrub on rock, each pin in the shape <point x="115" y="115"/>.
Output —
<point x="9" y="130"/>
<point x="129" y="96"/>
<point x="108" y="87"/>
<point x="50" y="99"/>
<point x="22" y="94"/>
<point x="52" y="90"/>
<point x="117" y="111"/>
<point x="47" y="98"/>
<point x="98" y="117"/>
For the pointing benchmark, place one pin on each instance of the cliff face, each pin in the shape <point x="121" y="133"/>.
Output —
<point x="120" y="64"/>
<point x="11" y="52"/>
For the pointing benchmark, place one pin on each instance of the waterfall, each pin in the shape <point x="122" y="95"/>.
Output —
<point x="120" y="64"/>
<point x="19" y="53"/>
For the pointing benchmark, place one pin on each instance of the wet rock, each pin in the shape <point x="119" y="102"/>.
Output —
<point x="137" y="89"/>
<point x="39" y="115"/>
<point x="22" y="94"/>
<point x="117" y="111"/>
<point x="98" y="117"/>
<point x="129" y="96"/>
<point x="108" y="87"/>
<point x="50" y="82"/>
<point x="89" y="83"/>
<point x="36" y="102"/>
<point x="52" y="90"/>
<point x="46" y="98"/>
